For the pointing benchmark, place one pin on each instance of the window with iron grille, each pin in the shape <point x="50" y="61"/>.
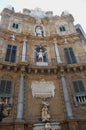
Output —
<point x="69" y="55"/>
<point x="11" y="53"/>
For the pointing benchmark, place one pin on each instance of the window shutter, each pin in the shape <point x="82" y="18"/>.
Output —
<point x="75" y="85"/>
<point x="2" y="86"/>
<point x="78" y="86"/>
<point x="60" y="29"/>
<point x="8" y="87"/>
<point x="5" y="87"/>
<point x="13" y="54"/>
<point x="16" y="26"/>
<point x="81" y="86"/>
<point x="69" y="55"/>
<point x="73" y="59"/>
<point x="63" y="28"/>
<point x="8" y="53"/>
<point x="13" y="25"/>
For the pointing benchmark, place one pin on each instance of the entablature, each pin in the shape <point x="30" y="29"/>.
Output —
<point x="56" y="69"/>
<point x="69" y="39"/>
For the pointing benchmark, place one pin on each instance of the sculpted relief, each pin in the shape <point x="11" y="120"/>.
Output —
<point x="43" y="89"/>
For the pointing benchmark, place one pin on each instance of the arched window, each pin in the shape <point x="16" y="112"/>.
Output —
<point x="40" y="54"/>
<point x="39" y="31"/>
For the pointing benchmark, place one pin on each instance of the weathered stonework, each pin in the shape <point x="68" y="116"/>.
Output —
<point x="25" y="72"/>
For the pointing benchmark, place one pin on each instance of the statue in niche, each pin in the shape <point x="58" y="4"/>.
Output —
<point x="45" y="114"/>
<point x="40" y="55"/>
<point x="39" y="31"/>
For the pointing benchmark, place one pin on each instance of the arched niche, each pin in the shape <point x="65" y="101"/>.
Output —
<point x="40" y="55"/>
<point x="39" y="31"/>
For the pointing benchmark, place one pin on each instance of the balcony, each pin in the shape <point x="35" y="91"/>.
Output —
<point x="30" y="61"/>
<point x="51" y="62"/>
<point x="80" y="98"/>
<point x="81" y="59"/>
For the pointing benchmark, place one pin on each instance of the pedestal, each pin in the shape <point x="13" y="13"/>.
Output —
<point x="19" y="125"/>
<point x="41" y="126"/>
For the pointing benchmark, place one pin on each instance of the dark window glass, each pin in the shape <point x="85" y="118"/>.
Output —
<point x="69" y="55"/>
<point x="62" y="28"/>
<point x="78" y="86"/>
<point x="5" y="87"/>
<point x="11" y="53"/>
<point x="15" y="25"/>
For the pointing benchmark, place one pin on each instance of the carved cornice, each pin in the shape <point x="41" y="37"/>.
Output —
<point x="57" y="69"/>
<point x="6" y="35"/>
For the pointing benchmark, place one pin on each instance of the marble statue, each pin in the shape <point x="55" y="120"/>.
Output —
<point x="39" y="31"/>
<point x="40" y="55"/>
<point x="45" y="114"/>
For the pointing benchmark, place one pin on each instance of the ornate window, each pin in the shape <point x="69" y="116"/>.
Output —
<point x="15" y="25"/>
<point x="62" y="29"/>
<point x="78" y="86"/>
<point x="80" y="92"/>
<point x="5" y="91"/>
<point x="69" y="55"/>
<point x="39" y="31"/>
<point x="5" y="87"/>
<point x="11" y="53"/>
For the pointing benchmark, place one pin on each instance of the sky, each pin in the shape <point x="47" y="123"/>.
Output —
<point x="75" y="7"/>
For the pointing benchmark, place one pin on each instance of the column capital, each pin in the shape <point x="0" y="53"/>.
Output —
<point x="24" y="40"/>
<point x="55" y="40"/>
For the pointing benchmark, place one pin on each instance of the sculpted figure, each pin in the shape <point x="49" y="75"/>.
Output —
<point x="45" y="114"/>
<point x="40" y="55"/>
<point x="39" y="31"/>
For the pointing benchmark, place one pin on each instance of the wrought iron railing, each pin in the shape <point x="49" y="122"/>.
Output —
<point x="80" y="98"/>
<point x="53" y="61"/>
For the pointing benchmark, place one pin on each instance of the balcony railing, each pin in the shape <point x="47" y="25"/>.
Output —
<point x="81" y="59"/>
<point x="31" y="61"/>
<point x="51" y="62"/>
<point x="80" y="98"/>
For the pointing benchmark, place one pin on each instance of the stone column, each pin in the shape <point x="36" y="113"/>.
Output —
<point x="58" y="58"/>
<point x="24" y="51"/>
<point x="21" y="98"/>
<point x="66" y="97"/>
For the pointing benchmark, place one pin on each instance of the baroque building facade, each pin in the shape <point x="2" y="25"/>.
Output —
<point x="42" y="71"/>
